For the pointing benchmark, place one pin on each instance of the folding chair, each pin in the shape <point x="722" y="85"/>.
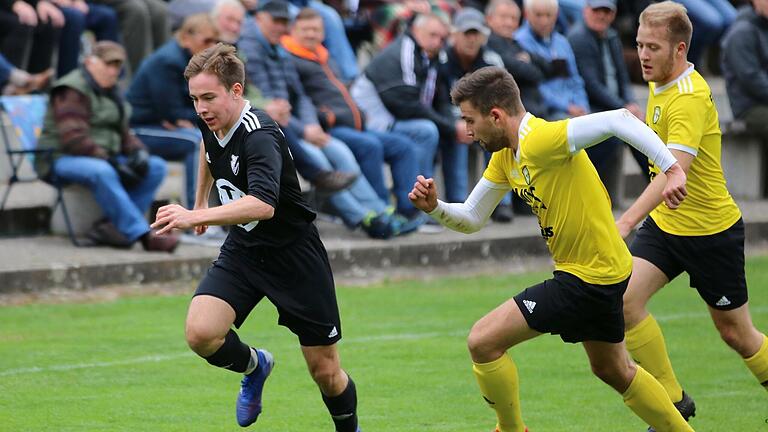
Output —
<point x="26" y="115"/>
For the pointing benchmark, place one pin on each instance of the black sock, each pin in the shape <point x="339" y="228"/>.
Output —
<point x="233" y="354"/>
<point x="343" y="408"/>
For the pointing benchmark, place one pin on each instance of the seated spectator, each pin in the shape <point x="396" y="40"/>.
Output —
<point x="528" y="69"/>
<point x="179" y="10"/>
<point x="465" y="54"/>
<point x="341" y="117"/>
<point x="228" y="15"/>
<point x="28" y="33"/>
<point x="80" y="16"/>
<point x="600" y="61"/>
<point x="745" y="67"/>
<point x="14" y="81"/>
<point x="710" y="19"/>
<point x="335" y="38"/>
<point x="392" y="19"/>
<point x="563" y="90"/>
<point x="163" y="114"/>
<point x="398" y="91"/>
<point x="271" y="70"/>
<point x="87" y="125"/>
<point x="144" y="25"/>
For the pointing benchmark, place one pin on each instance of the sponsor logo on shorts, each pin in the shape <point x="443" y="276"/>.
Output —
<point x="723" y="302"/>
<point x="529" y="305"/>
<point x="333" y="333"/>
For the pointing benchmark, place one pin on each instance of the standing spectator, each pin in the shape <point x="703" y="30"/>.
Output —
<point x="29" y="32"/>
<point x="163" y="115"/>
<point x="271" y="70"/>
<point x="745" y="67"/>
<point x="144" y="25"/>
<point x="342" y="118"/>
<point x="564" y="90"/>
<point x="87" y="125"/>
<point x="80" y="16"/>
<point x="601" y="64"/>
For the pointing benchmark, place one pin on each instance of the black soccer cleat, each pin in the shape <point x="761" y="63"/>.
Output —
<point x="686" y="406"/>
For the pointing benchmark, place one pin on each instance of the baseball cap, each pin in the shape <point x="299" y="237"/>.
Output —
<point x="109" y="51"/>
<point x="276" y="8"/>
<point x="470" y="19"/>
<point x="596" y="4"/>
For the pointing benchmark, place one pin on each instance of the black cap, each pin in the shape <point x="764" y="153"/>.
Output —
<point x="276" y="8"/>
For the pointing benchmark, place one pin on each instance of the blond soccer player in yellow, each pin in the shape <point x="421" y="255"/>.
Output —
<point x="705" y="236"/>
<point x="543" y="163"/>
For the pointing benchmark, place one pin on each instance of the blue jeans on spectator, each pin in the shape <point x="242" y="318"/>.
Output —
<point x="426" y="139"/>
<point x="455" y="163"/>
<point x="5" y="70"/>
<point x="182" y="144"/>
<point x="710" y="19"/>
<point x="355" y="202"/>
<point x="372" y="149"/>
<point x="101" y="20"/>
<point x="124" y="208"/>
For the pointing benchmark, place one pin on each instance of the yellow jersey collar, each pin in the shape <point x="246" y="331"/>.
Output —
<point x="657" y="90"/>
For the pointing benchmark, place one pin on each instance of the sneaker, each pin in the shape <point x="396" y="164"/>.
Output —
<point x="686" y="406"/>
<point x="334" y="181"/>
<point x="249" y="399"/>
<point x="430" y="226"/>
<point x="502" y="214"/>
<point x="152" y="242"/>
<point x="378" y="226"/>
<point x="403" y="225"/>
<point x="213" y="236"/>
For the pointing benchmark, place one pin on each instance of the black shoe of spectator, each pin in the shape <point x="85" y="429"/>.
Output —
<point x="334" y="181"/>
<point x="502" y="214"/>
<point x="159" y="243"/>
<point x="104" y="233"/>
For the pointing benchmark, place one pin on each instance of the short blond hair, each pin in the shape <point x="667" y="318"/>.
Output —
<point x="672" y="16"/>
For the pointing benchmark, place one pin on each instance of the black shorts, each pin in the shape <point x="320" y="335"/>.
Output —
<point x="576" y="310"/>
<point x="714" y="263"/>
<point x="297" y="279"/>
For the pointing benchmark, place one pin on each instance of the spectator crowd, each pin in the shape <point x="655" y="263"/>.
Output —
<point x="359" y="88"/>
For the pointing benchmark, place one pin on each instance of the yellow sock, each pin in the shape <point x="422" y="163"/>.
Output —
<point x="499" y="385"/>
<point x="758" y="363"/>
<point x="647" y="398"/>
<point x="646" y="344"/>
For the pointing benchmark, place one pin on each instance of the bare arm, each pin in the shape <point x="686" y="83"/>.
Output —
<point x="650" y="198"/>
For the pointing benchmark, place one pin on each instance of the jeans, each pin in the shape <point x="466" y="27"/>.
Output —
<point x="710" y="19"/>
<point x="124" y="208"/>
<point x="425" y="137"/>
<point x="353" y="203"/>
<point x="372" y="149"/>
<point x="101" y="20"/>
<point x="182" y="144"/>
<point x="455" y="162"/>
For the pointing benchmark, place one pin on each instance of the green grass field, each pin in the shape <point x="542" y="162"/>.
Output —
<point x="123" y="365"/>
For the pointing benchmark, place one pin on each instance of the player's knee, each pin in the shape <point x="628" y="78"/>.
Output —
<point x="324" y="374"/>
<point x="732" y="337"/>
<point x="479" y="347"/>
<point x="200" y="340"/>
<point x="611" y="374"/>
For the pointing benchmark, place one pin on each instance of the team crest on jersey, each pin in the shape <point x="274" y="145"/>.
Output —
<point x="656" y="114"/>
<point x="526" y="175"/>
<point x="235" y="164"/>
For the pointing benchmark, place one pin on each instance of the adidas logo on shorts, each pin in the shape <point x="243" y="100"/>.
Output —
<point x="723" y="302"/>
<point x="529" y="305"/>
<point x="333" y="333"/>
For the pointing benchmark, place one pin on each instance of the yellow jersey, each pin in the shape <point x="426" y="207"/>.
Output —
<point x="569" y="200"/>
<point x="684" y="116"/>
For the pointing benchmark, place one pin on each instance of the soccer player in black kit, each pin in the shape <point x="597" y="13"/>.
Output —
<point x="273" y="249"/>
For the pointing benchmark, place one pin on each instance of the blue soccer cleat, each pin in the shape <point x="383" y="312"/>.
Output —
<point x="249" y="399"/>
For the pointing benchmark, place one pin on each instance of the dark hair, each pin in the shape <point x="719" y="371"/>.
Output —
<point x="487" y="88"/>
<point x="219" y="60"/>
<point x="306" y="14"/>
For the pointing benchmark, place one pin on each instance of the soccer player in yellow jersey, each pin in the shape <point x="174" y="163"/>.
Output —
<point x="544" y="164"/>
<point x="704" y="237"/>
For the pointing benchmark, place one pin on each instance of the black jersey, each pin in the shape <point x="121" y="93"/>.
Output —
<point x="253" y="159"/>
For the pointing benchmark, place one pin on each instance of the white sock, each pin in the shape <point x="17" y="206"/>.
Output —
<point x="253" y="363"/>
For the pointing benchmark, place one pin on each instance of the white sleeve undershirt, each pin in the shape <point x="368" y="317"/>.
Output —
<point x="472" y="214"/>
<point x="586" y="131"/>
